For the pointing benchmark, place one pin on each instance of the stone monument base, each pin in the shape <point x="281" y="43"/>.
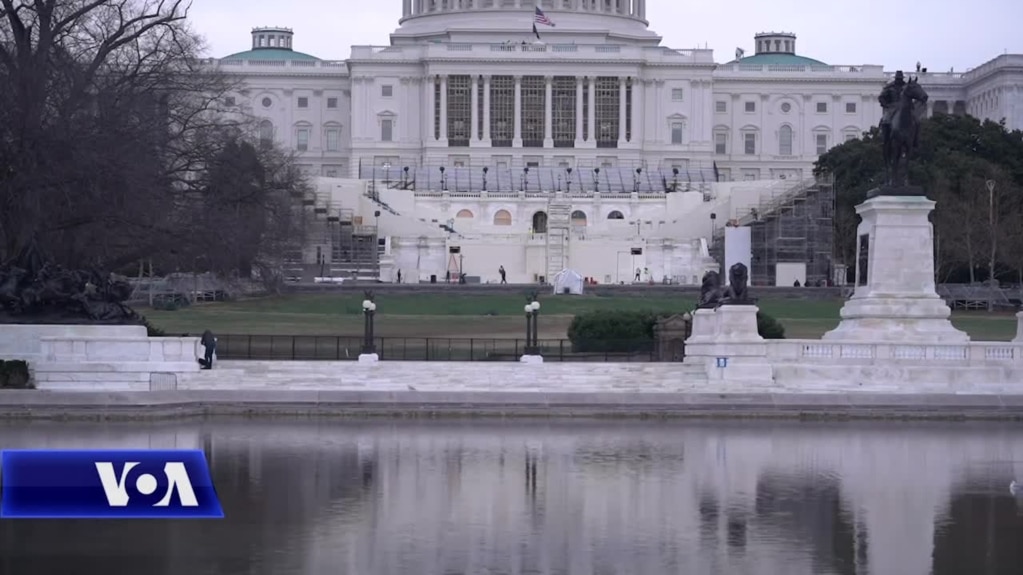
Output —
<point x="90" y="357"/>
<point x="531" y="359"/>
<point x="895" y="298"/>
<point x="368" y="358"/>
<point x="727" y="343"/>
<point x="896" y="320"/>
<point x="897" y="190"/>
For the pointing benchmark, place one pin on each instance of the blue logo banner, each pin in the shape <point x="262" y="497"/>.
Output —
<point x="85" y="484"/>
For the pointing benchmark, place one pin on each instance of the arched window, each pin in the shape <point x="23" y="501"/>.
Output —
<point x="540" y="223"/>
<point x="578" y="218"/>
<point x="464" y="214"/>
<point x="785" y="141"/>
<point x="615" y="215"/>
<point x="502" y="218"/>
<point x="266" y="133"/>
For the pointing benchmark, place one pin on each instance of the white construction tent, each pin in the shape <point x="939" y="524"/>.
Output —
<point x="568" y="282"/>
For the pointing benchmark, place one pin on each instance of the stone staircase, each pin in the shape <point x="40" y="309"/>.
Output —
<point x="559" y="212"/>
<point x="442" y="376"/>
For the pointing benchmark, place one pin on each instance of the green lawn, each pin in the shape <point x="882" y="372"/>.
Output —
<point x="438" y="315"/>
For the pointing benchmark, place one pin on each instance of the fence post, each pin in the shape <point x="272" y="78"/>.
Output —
<point x="248" y="350"/>
<point x="293" y="342"/>
<point x="561" y="350"/>
<point x="337" y="348"/>
<point x="472" y="349"/>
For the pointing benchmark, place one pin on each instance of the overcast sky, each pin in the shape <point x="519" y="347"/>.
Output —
<point x="943" y="34"/>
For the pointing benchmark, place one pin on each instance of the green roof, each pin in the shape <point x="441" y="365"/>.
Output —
<point x="776" y="59"/>
<point x="270" y="54"/>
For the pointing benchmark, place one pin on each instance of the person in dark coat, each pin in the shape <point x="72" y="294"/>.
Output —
<point x="209" y="342"/>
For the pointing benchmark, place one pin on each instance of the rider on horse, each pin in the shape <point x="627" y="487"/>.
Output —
<point x="889" y="100"/>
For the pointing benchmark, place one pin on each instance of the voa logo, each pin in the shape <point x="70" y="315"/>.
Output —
<point x="119" y="487"/>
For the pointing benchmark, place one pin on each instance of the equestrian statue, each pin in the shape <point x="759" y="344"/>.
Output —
<point x="902" y="106"/>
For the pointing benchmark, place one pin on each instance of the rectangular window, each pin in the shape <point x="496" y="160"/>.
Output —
<point x="850" y="107"/>
<point x="721" y="143"/>
<point x="386" y="130"/>
<point x="459" y="111"/>
<point x="822" y="107"/>
<point x="676" y="133"/>
<point x="563" y="111"/>
<point x="751" y="107"/>
<point x="302" y="139"/>
<point x="750" y="144"/>
<point x="822" y="144"/>
<point x="386" y="90"/>
<point x="677" y="94"/>
<point x="333" y="139"/>
<point x="721" y="106"/>
<point x="303" y="102"/>
<point x="331" y="103"/>
<point x="502" y="111"/>
<point x="606" y="113"/>
<point x="850" y="137"/>
<point x="534" y="111"/>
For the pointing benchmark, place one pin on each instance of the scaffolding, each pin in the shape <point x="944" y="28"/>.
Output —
<point x="345" y="247"/>
<point x="796" y="226"/>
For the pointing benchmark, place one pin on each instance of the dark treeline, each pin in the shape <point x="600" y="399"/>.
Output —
<point x="115" y="147"/>
<point x="975" y="229"/>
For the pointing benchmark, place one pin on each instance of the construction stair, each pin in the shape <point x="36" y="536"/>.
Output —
<point x="559" y="212"/>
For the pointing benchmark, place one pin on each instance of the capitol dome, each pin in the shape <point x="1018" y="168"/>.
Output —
<point x="498" y="20"/>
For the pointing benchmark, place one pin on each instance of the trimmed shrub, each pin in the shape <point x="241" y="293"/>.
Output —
<point x="14" y="374"/>
<point x="613" y="331"/>
<point x="152" y="330"/>
<point x="627" y="331"/>
<point x="768" y="327"/>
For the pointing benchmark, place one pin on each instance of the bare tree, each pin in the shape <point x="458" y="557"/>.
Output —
<point x="106" y="115"/>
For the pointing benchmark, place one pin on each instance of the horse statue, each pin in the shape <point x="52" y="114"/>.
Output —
<point x="904" y="134"/>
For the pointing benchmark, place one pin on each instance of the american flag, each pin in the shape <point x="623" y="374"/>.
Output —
<point x="542" y="18"/>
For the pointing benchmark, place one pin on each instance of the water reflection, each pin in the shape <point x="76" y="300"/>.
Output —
<point x="572" y="498"/>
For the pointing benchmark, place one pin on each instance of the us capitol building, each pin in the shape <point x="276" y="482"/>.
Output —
<point x="470" y="142"/>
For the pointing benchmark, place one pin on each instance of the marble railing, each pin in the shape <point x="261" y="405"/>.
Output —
<point x="816" y="351"/>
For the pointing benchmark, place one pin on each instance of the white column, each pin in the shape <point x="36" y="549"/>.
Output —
<point x="474" y="105"/>
<point x="444" y="110"/>
<point x="428" y="113"/>
<point x="486" y="109"/>
<point x="517" y="137"/>
<point x="641" y="9"/>
<point x="548" y="139"/>
<point x="591" y="120"/>
<point x="406" y="8"/>
<point x="638" y="105"/>
<point x="579" y="111"/>
<point x="621" y="112"/>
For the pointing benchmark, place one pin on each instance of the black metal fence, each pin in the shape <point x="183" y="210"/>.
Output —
<point x="341" y="348"/>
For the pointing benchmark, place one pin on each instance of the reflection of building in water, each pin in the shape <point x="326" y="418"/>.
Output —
<point x="734" y="501"/>
<point x="608" y="498"/>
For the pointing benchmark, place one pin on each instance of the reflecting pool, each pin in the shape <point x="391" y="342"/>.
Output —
<point x="571" y="497"/>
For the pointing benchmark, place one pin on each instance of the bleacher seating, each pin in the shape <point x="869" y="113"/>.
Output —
<point x="536" y="179"/>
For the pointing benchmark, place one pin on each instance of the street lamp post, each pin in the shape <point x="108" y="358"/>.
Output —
<point x="532" y="309"/>
<point x="994" y="243"/>
<point x="369" y="348"/>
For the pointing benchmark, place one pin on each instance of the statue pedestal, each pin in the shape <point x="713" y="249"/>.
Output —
<point x="705" y="326"/>
<point x="729" y="345"/>
<point x="895" y="299"/>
